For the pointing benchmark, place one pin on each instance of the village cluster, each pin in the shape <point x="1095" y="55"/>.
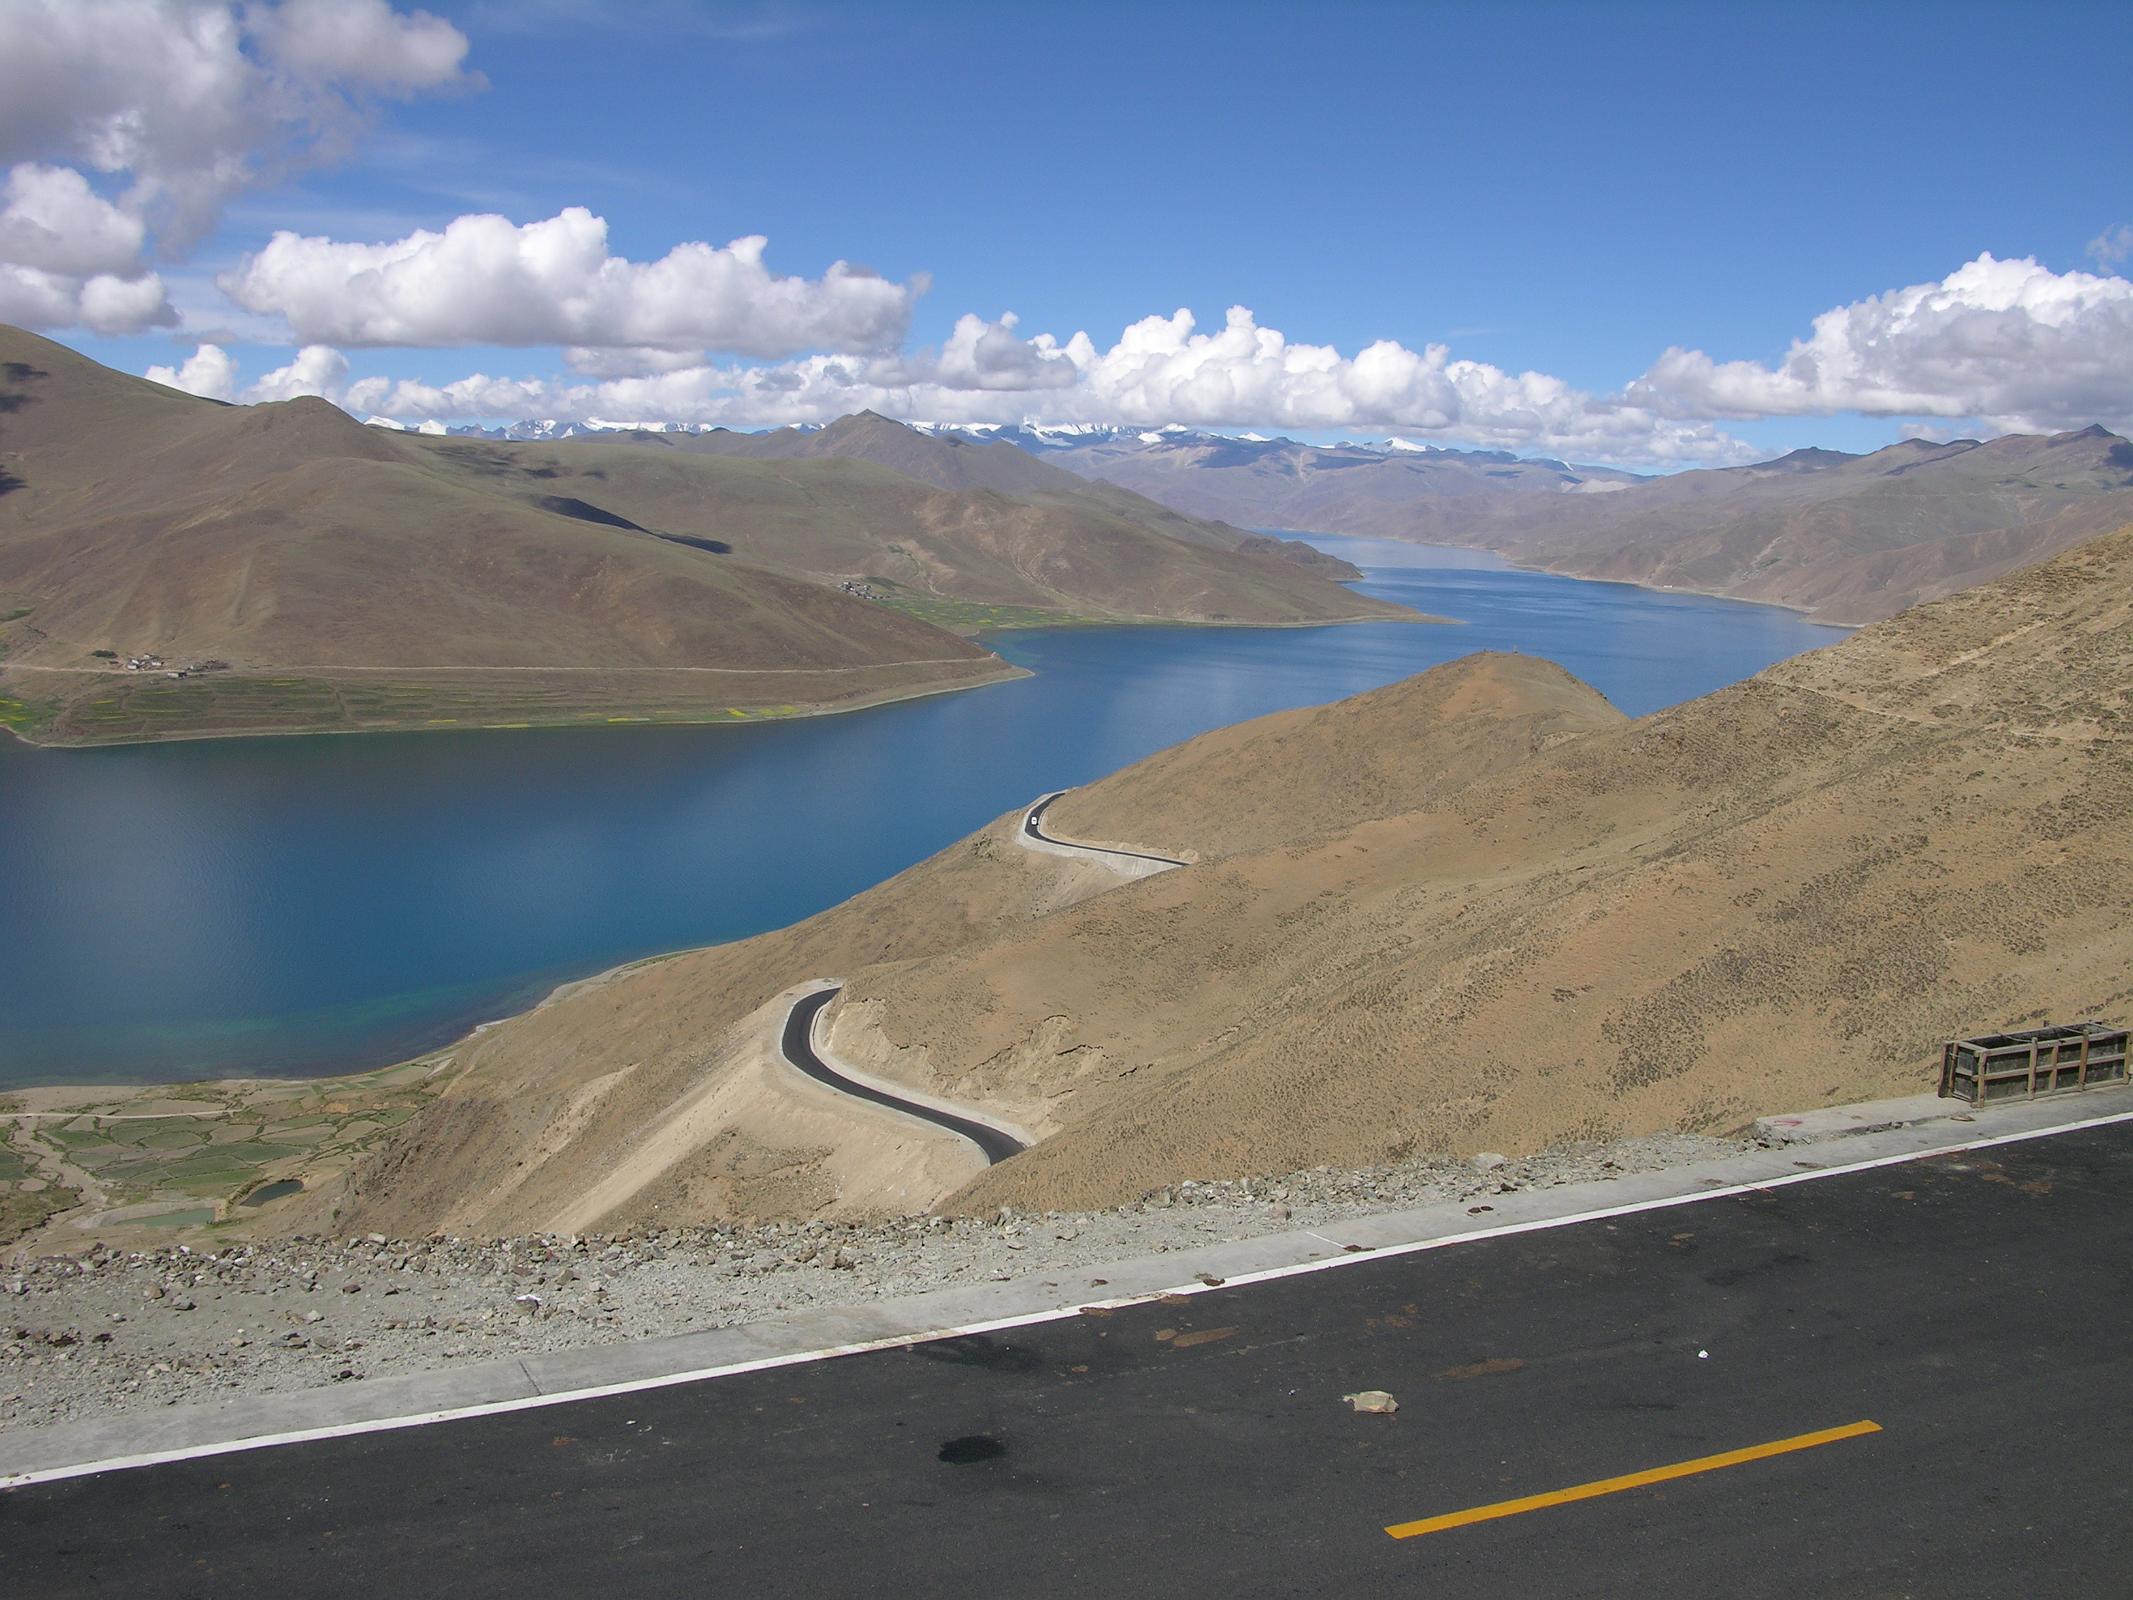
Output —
<point x="148" y="663"/>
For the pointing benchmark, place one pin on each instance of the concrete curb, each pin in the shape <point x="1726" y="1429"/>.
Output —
<point x="1868" y="1116"/>
<point x="39" y="1455"/>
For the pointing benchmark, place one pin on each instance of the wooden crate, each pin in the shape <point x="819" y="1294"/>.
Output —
<point x="2021" y="1066"/>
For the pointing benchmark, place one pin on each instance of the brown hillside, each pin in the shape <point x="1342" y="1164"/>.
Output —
<point x="960" y="462"/>
<point x="655" y="1088"/>
<point x="1092" y="552"/>
<point x="1851" y="539"/>
<point x="347" y="582"/>
<point x="1401" y="748"/>
<point x="1782" y="894"/>
<point x="350" y="576"/>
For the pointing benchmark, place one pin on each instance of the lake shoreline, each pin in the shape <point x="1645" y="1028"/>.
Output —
<point x="1008" y="672"/>
<point x="1517" y="564"/>
<point x="510" y="870"/>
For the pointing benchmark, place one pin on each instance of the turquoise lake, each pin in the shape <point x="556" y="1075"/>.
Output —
<point x="296" y="906"/>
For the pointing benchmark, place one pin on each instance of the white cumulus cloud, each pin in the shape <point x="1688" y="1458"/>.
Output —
<point x="2010" y="345"/>
<point x="2010" y="342"/>
<point x="208" y="372"/>
<point x="359" y="42"/>
<point x="70" y="257"/>
<point x="192" y="101"/>
<point x="51" y="220"/>
<point x="488" y="280"/>
<point x="174" y="106"/>
<point x="989" y="355"/>
<point x="211" y="372"/>
<point x="1160" y="370"/>
<point x="104" y="303"/>
<point x="317" y="369"/>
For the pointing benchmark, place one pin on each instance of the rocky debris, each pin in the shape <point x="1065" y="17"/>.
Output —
<point x="1372" y="1402"/>
<point x="102" y="1331"/>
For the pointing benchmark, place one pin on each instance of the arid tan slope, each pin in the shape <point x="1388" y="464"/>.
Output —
<point x="1782" y="894"/>
<point x="601" y="1094"/>
<point x="1300" y="775"/>
<point x="654" y="1091"/>
<point x="1851" y="539"/>
<point x="961" y="462"/>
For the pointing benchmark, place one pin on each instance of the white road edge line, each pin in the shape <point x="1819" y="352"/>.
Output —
<point x="1029" y="1319"/>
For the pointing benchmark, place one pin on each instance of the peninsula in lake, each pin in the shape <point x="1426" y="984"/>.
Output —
<point x="174" y="566"/>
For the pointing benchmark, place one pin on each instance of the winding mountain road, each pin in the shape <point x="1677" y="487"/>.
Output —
<point x="1033" y="828"/>
<point x="996" y="1141"/>
<point x="799" y="1047"/>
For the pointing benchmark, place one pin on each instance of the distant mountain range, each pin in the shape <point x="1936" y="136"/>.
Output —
<point x="536" y="430"/>
<point x="1848" y="538"/>
<point x="1160" y="450"/>
<point x="1092" y="449"/>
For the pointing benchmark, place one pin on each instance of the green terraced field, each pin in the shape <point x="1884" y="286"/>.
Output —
<point x="212" y="1143"/>
<point x="23" y="715"/>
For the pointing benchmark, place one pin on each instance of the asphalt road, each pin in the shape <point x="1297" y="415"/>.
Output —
<point x="1974" y="1306"/>
<point x="799" y="1046"/>
<point x="1033" y="825"/>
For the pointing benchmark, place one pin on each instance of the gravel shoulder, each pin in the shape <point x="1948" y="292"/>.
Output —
<point x="106" y="1331"/>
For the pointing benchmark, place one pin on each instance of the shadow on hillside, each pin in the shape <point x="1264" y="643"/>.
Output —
<point x="9" y="483"/>
<point x="564" y="505"/>
<point x="18" y="372"/>
<point x="717" y="547"/>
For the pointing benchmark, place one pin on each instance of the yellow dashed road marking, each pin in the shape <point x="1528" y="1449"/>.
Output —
<point x="1632" y="1480"/>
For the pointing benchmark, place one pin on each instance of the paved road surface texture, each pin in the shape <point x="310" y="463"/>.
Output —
<point x="1973" y="1307"/>
<point x="1033" y="825"/>
<point x="799" y="1047"/>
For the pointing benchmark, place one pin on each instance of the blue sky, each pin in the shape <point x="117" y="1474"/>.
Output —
<point x="1563" y="189"/>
